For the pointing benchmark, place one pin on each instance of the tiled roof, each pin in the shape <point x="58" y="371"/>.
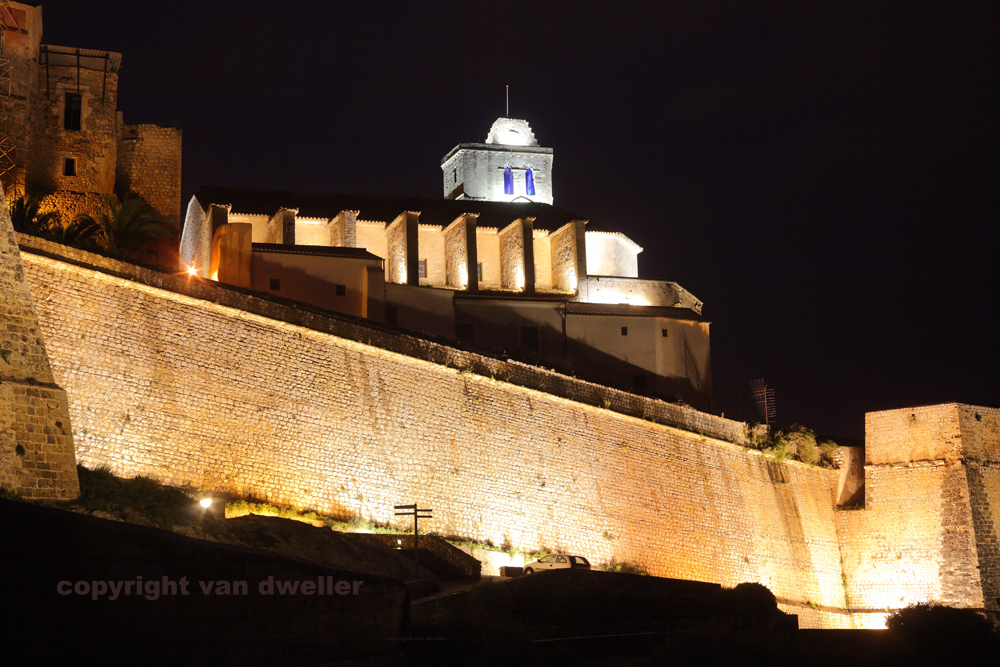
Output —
<point x="385" y="209"/>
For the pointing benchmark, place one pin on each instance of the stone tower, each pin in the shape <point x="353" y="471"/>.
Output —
<point x="37" y="459"/>
<point x="510" y="166"/>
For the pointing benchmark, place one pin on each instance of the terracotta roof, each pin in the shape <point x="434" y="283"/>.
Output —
<point x="385" y="209"/>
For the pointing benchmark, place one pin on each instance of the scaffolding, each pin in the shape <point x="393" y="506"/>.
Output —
<point x="8" y="146"/>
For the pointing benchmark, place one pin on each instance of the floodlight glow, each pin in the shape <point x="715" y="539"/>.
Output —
<point x="205" y="502"/>
<point x="192" y="271"/>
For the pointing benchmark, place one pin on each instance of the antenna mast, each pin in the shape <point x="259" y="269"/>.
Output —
<point x="508" y="101"/>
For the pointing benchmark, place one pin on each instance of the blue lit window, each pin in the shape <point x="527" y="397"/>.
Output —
<point x="529" y="181"/>
<point x="508" y="181"/>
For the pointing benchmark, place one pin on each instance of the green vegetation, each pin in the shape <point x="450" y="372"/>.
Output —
<point x="135" y="500"/>
<point x="623" y="568"/>
<point x="252" y="506"/>
<point x="7" y="494"/>
<point x="26" y="218"/>
<point x="128" y="226"/>
<point x="797" y="443"/>
<point x="922" y="622"/>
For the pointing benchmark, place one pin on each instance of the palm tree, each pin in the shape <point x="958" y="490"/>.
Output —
<point x="128" y="226"/>
<point x="82" y="232"/>
<point x="27" y="220"/>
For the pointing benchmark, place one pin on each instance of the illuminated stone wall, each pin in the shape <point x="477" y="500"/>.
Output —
<point x="195" y="392"/>
<point x="94" y="146"/>
<point x="980" y="429"/>
<point x="36" y="441"/>
<point x="149" y="162"/>
<point x="199" y="384"/>
<point x="932" y="502"/>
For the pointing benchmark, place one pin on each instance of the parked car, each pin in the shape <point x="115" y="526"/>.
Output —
<point x="557" y="562"/>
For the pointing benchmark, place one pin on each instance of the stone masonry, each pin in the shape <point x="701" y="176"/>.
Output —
<point x="36" y="441"/>
<point x="198" y="393"/>
<point x="149" y="162"/>
<point x="201" y="384"/>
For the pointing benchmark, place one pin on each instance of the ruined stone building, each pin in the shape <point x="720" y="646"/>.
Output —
<point x="64" y="136"/>
<point x="494" y="264"/>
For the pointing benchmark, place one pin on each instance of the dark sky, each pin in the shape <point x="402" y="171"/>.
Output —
<point x="824" y="179"/>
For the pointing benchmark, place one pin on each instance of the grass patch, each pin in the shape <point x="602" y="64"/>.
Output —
<point x="240" y="508"/>
<point x="131" y="499"/>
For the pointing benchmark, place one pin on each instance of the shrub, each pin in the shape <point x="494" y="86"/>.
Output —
<point x="752" y="599"/>
<point x="623" y="568"/>
<point x="931" y="623"/>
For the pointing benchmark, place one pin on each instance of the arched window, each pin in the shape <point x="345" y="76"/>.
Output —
<point x="529" y="181"/>
<point x="508" y="181"/>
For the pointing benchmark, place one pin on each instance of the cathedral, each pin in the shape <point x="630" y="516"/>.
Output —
<point x="493" y="265"/>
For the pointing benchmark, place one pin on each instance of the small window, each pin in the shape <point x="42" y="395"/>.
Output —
<point x="391" y="315"/>
<point x="529" y="338"/>
<point x="624" y="331"/>
<point x="508" y="181"/>
<point x="465" y="331"/>
<point x="454" y="175"/>
<point x="640" y="382"/>
<point x="664" y="333"/>
<point x="529" y="182"/>
<point x="479" y="272"/>
<point x="71" y="120"/>
<point x="69" y="167"/>
<point x="276" y="284"/>
<point x="422" y="268"/>
<point x="341" y="290"/>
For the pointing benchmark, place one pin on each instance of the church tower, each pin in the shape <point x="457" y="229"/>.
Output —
<point x="510" y="166"/>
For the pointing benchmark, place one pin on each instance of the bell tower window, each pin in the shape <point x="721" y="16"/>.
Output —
<point x="508" y="181"/>
<point x="529" y="181"/>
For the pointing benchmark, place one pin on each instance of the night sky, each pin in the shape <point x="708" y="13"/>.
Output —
<point x="824" y="180"/>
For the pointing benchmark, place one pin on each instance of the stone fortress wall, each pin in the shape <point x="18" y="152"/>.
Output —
<point x="149" y="161"/>
<point x="36" y="440"/>
<point x="932" y="510"/>
<point x="201" y="384"/>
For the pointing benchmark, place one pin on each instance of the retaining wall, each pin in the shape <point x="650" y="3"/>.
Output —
<point x="199" y="393"/>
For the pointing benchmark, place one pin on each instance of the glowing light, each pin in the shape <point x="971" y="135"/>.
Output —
<point x="520" y="277"/>
<point x="205" y="502"/>
<point x="192" y="271"/>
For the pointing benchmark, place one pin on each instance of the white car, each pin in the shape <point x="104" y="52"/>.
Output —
<point x="557" y="562"/>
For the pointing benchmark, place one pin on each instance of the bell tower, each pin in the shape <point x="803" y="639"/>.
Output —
<point x="510" y="166"/>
